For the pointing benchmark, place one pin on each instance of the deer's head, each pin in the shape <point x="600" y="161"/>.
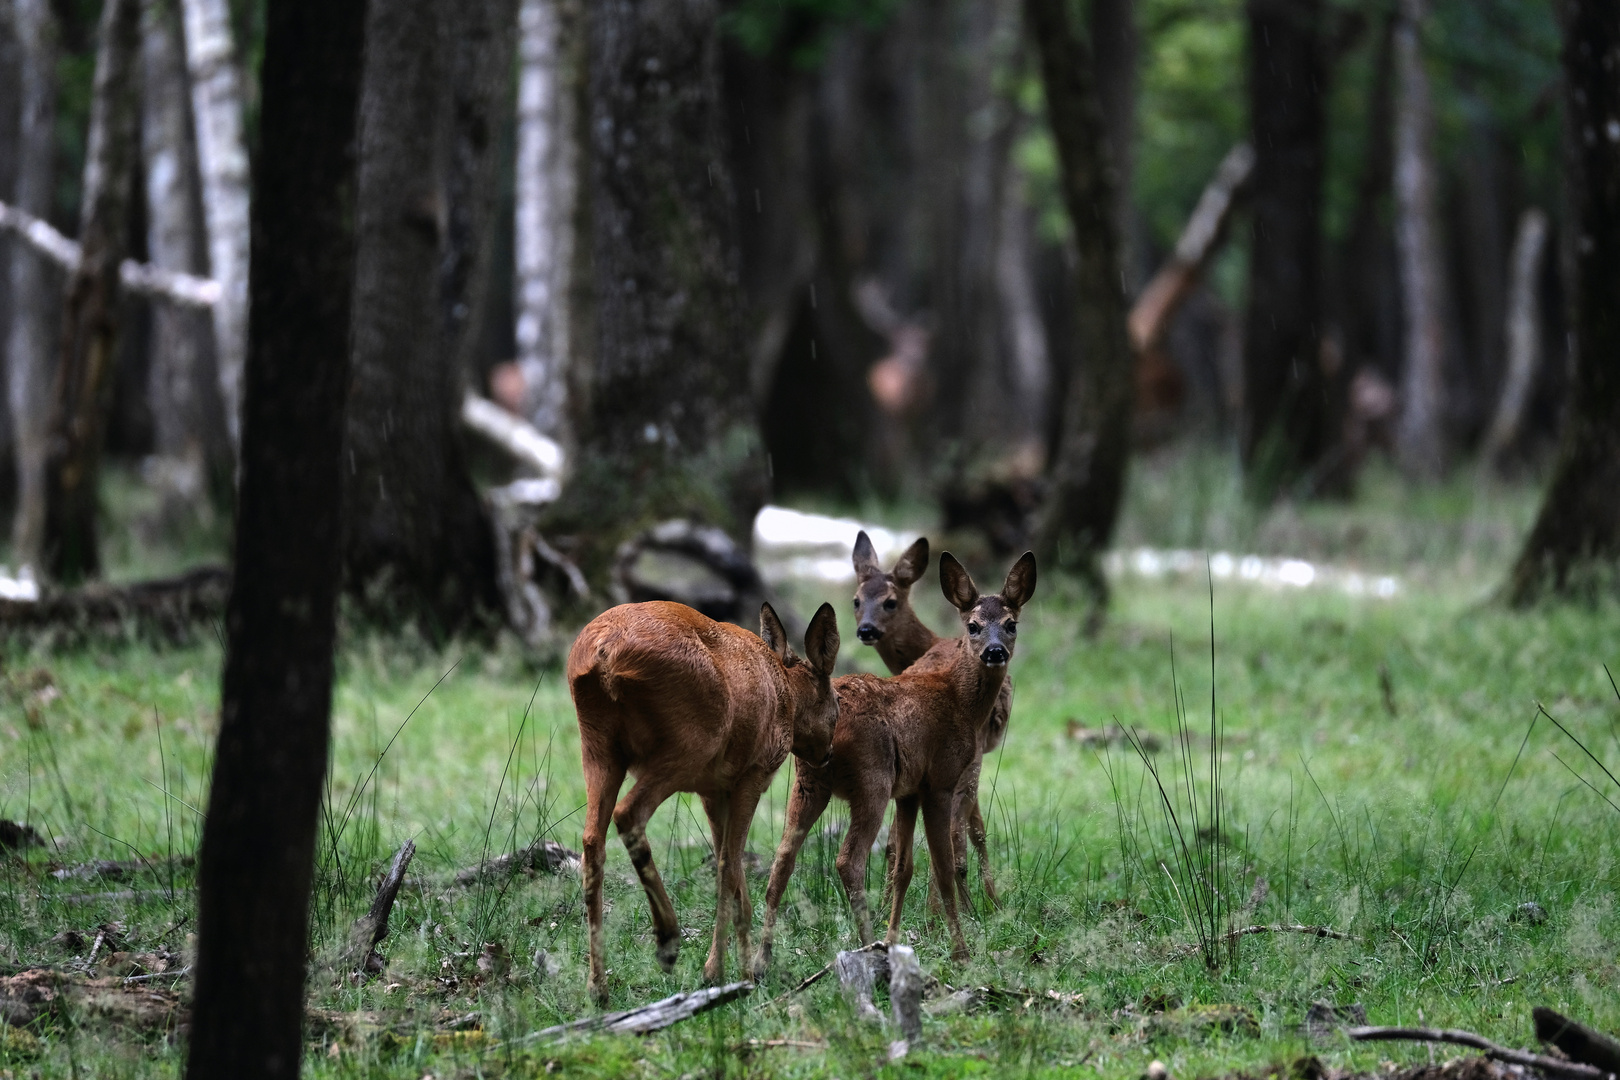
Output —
<point x="881" y="598"/>
<point x="991" y="621"/>
<point x="815" y="705"/>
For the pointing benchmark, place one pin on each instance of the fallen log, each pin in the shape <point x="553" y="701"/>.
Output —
<point x="542" y="856"/>
<point x="1549" y="1066"/>
<point x="519" y="438"/>
<point x="1577" y="1041"/>
<point x="165" y="608"/>
<point x="645" y="1019"/>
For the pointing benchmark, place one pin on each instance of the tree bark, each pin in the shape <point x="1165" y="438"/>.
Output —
<point x="547" y="181"/>
<point x="258" y="846"/>
<point x="216" y="104"/>
<point x="1420" y="439"/>
<point x="1575" y="544"/>
<point x="1285" y="435"/>
<point x="1088" y="470"/>
<point x="417" y="541"/>
<point x="1114" y="40"/>
<point x="84" y="375"/>
<point x="29" y="340"/>
<point x="11" y="64"/>
<point x="664" y="416"/>
<point x="189" y="434"/>
<point x="1522" y="333"/>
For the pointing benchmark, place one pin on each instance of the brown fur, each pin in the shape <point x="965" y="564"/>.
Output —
<point x="911" y="739"/>
<point x="885" y="620"/>
<point x="684" y="703"/>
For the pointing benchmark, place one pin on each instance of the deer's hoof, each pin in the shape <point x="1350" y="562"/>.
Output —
<point x="598" y="991"/>
<point x="762" y="963"/>
<point x="668" y="950"/>
<point x="714" y="971"/>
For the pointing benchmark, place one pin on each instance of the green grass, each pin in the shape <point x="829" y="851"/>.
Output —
<point x="1403" y="829"/>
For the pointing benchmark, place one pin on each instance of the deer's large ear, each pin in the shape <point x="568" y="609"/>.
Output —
<point x="912" y="565"/>
<point x="1020" y="585"/>
<point x="956" y="584"/>
<point x="771" y="632"/>
<point x="821" y="640"/>
<point x="865" y="557"/>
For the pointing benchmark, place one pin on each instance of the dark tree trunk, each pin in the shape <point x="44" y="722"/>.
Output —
<point x="1088" y="470"/>
<point x="11" y="90"/>
<point x="1114" y="41"/>
<point x="417" y="539"/>
<point x="29" y="339"/>
<point x="258" y="846"/>
<point x="661" y="397"/>
<point x="190" y="440"/>
<point x="1575" y="544"/>
<point x="89" y="344"/>
<point x="1285" y="433"/>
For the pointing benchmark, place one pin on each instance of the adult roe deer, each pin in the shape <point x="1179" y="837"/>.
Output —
<point x="684" y="703"/>
<point x="885" y="620"/>
<point x="910" y="738"/>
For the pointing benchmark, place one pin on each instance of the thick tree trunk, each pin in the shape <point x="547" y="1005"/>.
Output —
<point x="258" y="846"/>
<point x="1285" y="434"/>
<point x="548" y="152"/>
<point x="417" y="541"/>
<point x="1575" y="544"/>
<point x="660" y="382"/>
<point x="1088" y="472"/>
<point x="1114" y="39"/>
<point x="1420" y="439"/>
<point x="29" y="338"/>
<point x="189" y="437"/>
<point x="84" y="375"/>
<point x="216" y="105"/>
<point x="11" y="64"/>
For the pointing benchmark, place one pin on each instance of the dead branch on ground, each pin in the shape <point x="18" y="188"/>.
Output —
<point x="368" y="931"/>
<point x="645" y="1019"/>
<point x="543" y="856"/>
<point x="1550" y="1066"/>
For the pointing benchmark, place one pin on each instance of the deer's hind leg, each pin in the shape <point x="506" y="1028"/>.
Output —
<point x="631" y="816"/>
<point x="865" y="819"/>
<point x="805" y="807"/>
<point x="603" y="777"/>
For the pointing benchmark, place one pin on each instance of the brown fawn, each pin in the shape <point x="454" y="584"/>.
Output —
<point x="910" y="738"/>
<point x="885" y="620"/>
<point x="684" y="703"/>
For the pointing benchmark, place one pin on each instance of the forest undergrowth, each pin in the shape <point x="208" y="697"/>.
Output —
<point x="1383" y="768"/>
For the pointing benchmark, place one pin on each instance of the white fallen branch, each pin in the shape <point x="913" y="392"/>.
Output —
<point x="647" y="1018"/>
<point x="519" y="438"/>
<point x="142" y="279"/>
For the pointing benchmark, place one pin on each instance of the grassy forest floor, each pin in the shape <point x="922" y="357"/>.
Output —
<point x="1378" y="768"/>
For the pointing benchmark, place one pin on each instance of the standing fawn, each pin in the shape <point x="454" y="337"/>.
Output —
<point x="684" y="703"/>
<point x="884" y="619"/>
<point x="911" y="739"/>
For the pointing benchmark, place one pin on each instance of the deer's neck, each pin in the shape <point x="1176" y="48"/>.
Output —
<point x="978" y="684"/>
<point x="905" y="641"/>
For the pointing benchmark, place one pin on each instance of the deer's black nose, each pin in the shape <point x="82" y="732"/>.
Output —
<point x="995" y="655"/>
<point x="868" y="633"/>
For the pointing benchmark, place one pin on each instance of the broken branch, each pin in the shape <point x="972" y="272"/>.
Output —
<point x="519" y="438"/>
<point x="370" y="929"/>
<point x="647" y="1018"/>
<point x="543" y="855"/>
<point x="1547" y="1065"/>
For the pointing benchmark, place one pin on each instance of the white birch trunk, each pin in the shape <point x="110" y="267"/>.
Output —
<point x="30" y="344"/>
<point x="174" y="240"/>
<point x="216" y="104"/>
<point x="1523" y="335"/>
<point x="1419" y="439"/>
<point x="546" y="187"/>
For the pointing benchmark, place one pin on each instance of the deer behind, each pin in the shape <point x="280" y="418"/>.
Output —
<point x="684" y="703"/>
<point x="885" y="620"/>
<point x="911" y="739"/>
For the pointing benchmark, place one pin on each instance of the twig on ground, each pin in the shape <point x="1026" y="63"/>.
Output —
<point x="877" y="946"/>
<point x="370" y="929"/>
<point x="137" y="895"/>
<point x="1278" y="928"/>
<point x="780" y="1044"/>
<point x="645" y="1019"/>
<point x="1577" y="1041"/>
<point x="1550" y="1066"/>
<point x="545" y="855"/>
<point x="156" y="975"/>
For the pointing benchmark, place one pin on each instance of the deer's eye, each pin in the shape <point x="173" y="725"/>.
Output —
<point x="889" y="605"/>
<point x="1011" y="626"/>
<point x="974" y="628"/>
<point x="857" y="603"/>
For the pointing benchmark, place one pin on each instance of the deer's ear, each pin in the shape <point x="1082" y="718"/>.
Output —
<point x="865" y="557"/>
<point x="956" y="584"/>
<point x="821" y="640"/>
<point x="912" y="565"/>
<point x="771" y="632"/>
<point x="1020" y="585"/>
